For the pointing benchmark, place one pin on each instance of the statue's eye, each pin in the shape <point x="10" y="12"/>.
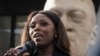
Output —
<point x="76" y="16"/>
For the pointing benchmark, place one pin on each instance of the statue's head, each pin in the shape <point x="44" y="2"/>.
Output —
<point x="78" y="17"/>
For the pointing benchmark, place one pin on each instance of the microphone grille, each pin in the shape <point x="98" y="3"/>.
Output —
<point x="30" y="46"/>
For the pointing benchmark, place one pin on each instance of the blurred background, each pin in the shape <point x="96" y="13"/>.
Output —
<point x="13" y="15"/>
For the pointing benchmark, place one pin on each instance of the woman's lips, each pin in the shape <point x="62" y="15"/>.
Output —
<point x="37" y="35"/>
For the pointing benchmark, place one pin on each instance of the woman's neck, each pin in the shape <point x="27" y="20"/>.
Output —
<point x="47" y="51"/>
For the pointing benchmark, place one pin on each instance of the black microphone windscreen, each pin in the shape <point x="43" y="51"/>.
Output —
<point x="28" y="47"/>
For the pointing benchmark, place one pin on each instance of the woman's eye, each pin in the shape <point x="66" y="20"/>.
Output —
<point x="32" y="25"/>
<point x="44" y="24"/>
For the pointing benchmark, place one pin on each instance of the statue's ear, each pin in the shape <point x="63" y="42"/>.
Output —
<point x="94" y="35"/>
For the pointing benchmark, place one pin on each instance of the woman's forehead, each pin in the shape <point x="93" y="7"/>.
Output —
<point x="40" y="17"/>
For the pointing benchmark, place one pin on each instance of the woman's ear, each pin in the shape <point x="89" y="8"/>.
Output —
<point x="55" y="34"/>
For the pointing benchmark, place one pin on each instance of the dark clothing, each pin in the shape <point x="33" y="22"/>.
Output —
<point x="56" y="52"/>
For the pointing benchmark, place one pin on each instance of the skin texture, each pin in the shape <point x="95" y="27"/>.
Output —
<point x="78" y="17"/>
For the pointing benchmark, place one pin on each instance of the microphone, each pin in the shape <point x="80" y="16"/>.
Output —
<point x="28" y="47"/>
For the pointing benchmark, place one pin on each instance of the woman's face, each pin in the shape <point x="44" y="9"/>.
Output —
<point x="41" y="30"/>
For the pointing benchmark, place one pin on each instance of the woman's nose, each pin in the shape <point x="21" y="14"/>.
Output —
<point x="37" y="27"/>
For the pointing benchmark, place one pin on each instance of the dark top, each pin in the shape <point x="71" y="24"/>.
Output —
<point x="56" y="52"/>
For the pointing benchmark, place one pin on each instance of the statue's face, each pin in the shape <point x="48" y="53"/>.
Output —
<point x="78" y="18"/>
